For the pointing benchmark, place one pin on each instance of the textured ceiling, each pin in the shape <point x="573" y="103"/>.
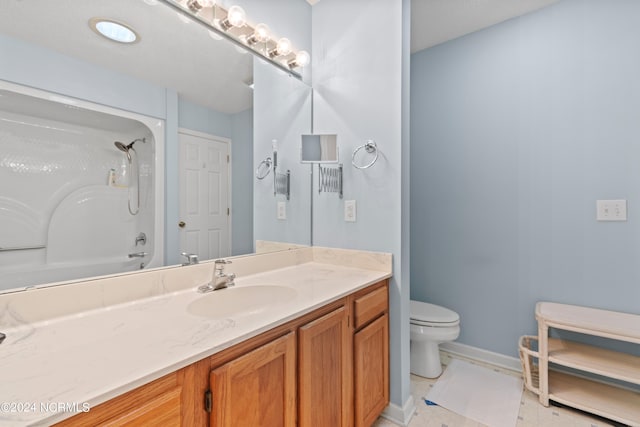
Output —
<point x="437" y="21"/>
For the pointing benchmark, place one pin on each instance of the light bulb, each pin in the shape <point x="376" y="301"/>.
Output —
<point x="283" y="48"/>
<point x="301" y="60"/>
<point x="196" y="5"/>
<point x="236" y="17"/>
<point x="260" y="34"/>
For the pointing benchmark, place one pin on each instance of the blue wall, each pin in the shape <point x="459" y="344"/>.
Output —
<point x="517" y="130"/>
<point x="358" y="95"/>
<point x="282" y="107"/>
<point x="31" y="65"/>
<point x="196" y="117"/>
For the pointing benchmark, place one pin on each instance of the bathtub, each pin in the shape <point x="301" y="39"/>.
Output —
<point x="69" y="204"/>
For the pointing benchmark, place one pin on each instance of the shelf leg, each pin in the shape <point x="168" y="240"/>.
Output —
<point x="543" y="362"/>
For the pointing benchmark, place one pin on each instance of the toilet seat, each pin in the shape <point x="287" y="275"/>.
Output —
<point x="431" y="315"/>
<point x="429" y="326"/>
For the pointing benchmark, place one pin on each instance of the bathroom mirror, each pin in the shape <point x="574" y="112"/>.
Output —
<point x="319" y="148"/>
<point x="178" y="72"/>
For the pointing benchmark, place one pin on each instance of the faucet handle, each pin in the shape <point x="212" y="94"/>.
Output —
<point x="191" y="258"/>
<point x="220" y="263"/>
<point x="230" y="279"/>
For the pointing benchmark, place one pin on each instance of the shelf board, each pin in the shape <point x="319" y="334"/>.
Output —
<point x="609" y="363"/>
<point x="592" y="321"/>
<point x="608" y="401"/>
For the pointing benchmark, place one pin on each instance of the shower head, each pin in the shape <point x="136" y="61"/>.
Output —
<point x="124" y="148"/>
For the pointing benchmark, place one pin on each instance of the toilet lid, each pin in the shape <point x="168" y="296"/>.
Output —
<point x="431" y="313"/>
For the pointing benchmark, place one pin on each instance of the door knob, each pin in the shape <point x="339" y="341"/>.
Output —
<point x="181" y="224"/>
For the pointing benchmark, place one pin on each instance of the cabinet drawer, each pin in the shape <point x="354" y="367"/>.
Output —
<point x="370" y="306"/>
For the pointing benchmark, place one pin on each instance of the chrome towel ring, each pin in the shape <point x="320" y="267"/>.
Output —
<point x="264" y="168"/>
<point x="371" y="148"/>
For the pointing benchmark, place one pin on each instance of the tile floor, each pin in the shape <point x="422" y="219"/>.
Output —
<point x="532" y="414"/>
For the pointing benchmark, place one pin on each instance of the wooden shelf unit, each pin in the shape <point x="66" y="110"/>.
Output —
<point x="616" y="403"/>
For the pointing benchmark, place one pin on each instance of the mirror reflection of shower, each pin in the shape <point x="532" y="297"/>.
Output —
<point x="127" y="149"/>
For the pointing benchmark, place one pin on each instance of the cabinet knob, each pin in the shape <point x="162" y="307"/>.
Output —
<point x="181" y="224"/>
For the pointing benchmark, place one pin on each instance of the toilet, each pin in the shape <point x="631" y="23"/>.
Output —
<point x="430" y="325"/>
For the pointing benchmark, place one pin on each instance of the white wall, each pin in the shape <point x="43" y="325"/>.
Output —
<point x="358" y="94"/>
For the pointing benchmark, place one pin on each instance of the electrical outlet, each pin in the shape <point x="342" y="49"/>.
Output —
<point x="282" y="210"/>
<point x="611" y="210"/>
<point x="350" y="210"/>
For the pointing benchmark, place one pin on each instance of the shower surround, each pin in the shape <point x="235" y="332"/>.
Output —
<point x="66" y="189"/>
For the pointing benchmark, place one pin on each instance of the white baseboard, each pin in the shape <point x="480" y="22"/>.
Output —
<point x="481" y="355"/>
<point x="398" y="415"/>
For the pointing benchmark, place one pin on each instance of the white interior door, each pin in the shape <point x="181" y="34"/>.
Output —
<point x="204" y="195"/>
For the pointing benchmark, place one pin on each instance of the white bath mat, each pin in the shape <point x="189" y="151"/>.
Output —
<point x="478" y="393"/>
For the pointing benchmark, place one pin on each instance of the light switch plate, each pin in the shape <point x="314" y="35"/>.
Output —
<point x="611" y="210"/>
<point x="282" y="210"/>
<point x="350" y="210"/>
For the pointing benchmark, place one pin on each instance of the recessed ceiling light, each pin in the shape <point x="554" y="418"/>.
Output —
<point x="113" y="30"/>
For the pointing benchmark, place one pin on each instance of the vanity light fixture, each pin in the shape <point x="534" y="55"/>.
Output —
<point x="113" y="30"/>
<point x="283" y="48"/>
<point x="236" y="17"/>
<point x="260" y="34"/>
<point x="232" y="24"/>
<point x="302" y="59"/>
<point x="196" y="5"/>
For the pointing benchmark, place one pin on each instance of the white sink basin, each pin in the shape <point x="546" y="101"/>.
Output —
<point x="240" y="301"/>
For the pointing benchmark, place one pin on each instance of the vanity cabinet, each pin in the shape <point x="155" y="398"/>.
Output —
<point x="258" y="388"/>
<point x="324" y="371"/>
<point x="371" y="355"/>
<point x="329" y="367"/>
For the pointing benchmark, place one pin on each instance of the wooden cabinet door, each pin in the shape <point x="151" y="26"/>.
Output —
<point x="169" y="401"/>
<point x="257" y="389"/>
<point x="324" y="372"/>
<point x="371" y="371"/>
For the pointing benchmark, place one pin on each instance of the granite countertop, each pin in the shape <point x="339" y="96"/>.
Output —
<point x="91" y="356"/>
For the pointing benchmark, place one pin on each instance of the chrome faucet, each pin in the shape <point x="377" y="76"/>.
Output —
<point x="221" y="280"/>
<point x="191" y="258"/>
<point x="138" y="255"/>
<point x="141" y="238"/>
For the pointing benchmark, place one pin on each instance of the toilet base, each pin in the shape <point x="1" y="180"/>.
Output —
<point x="425" y="359"/>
